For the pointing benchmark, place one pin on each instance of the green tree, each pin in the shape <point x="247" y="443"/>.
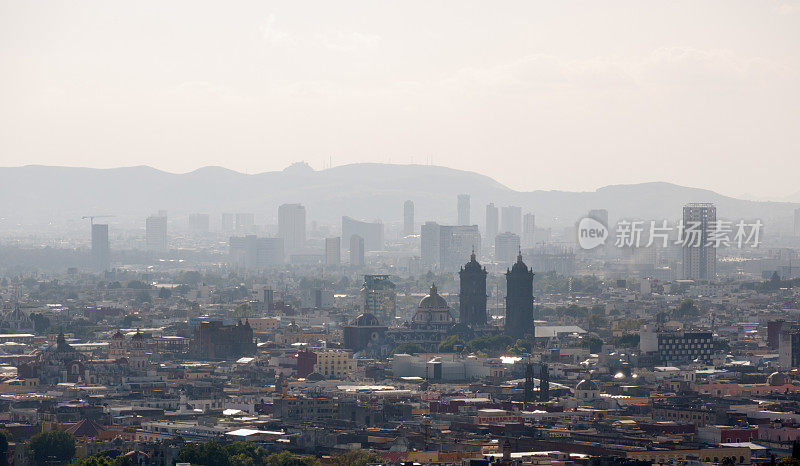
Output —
<point x="451" y="344"/>
<point x="355" y="458"/>
<point x="52" y="447"/>
<point x="243" y="310"/>
<point x="592" y="342"/>
<point x="408" y="348"/>
<point x="686" y="309"/>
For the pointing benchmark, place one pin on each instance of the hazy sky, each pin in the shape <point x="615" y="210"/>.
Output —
<point x="539" y="95"/>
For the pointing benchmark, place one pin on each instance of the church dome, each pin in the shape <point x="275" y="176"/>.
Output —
<point x="586" y="384"/>
<point x="777" y="379"/>
<point x="366" y="320"/>
<point x="433" y="300"/>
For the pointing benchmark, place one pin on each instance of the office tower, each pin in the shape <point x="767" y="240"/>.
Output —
<point x="370" y="232"/>
<point x="601" y="215"/>
<point x="463" y="209"/>
<point x="356" y="251"/>
<point x="408" y="218"/>
<point x="492" y="223"/>
<point x="227" y="221"/>
<point x="101" y="251"/>
<point x="797" y="221"/>
<point x="528" y="230"/>
<point x="699" y="258"/>
<point x="511" y="219"/>
<point x="472" y="293"/>
<point x="789" y="348"/>
<point x="292" y="226"/>
<point x="253" y="253"/>
<point x="333" y="251"/>
<point x="379" y="298"/>
<point x="445" y="246"/>
<point x="519" y="300"/>
<point x="506" y="248"/>
<point x="156" y="232"/>
<point x="199" y="223"/>
<point x="429" y="244"/>
<point x="245" y="223"/>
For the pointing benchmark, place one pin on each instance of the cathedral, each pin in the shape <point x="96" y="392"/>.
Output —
<point x="519" y="300"/>
<point x="430" y="325"/>
<point x="472" y="295"/>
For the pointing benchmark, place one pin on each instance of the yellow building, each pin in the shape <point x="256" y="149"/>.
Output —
<point x="334" y="364"/>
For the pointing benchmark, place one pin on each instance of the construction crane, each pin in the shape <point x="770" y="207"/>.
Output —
<point x="92" y="217"/>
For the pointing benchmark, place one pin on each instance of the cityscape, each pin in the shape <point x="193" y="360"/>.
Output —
<point x="217" y="247"/>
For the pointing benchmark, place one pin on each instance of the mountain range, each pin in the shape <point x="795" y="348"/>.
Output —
<point x="371" y="191"/>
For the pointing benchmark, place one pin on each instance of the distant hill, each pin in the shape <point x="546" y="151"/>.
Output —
<point x="35" y="194"/>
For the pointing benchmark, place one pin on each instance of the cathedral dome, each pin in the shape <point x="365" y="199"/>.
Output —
<point x="433" y="300"/>
<point x="366" y="320"/>
<point x="586" y="384"/>
<point x="433" y="309"/>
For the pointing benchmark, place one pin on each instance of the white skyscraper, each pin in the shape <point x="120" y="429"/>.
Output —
<point x="699" y="259"/>
<point x="463" y="209"/>
<point x="156" y="232"/>
<point x="292" y="226"/>
<point x="528" y="229"/>
<point x="333" y="251"/>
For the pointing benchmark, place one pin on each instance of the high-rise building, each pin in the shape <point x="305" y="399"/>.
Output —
<point x="408" y="218"/>
<point x="356" y="251"/>
<point x="472" y="294"/>
<point x="511" y="219"/>
<point x="253" y="253"/>
<point x="156" y="232"/>
<point x="292" y="226"/>
<point x="528" y="231"/>
<point x="445" y="246"/>
<point x="245" y="223"/>
<point x="506" y="248"/>
<point x="699" y="258"/>
<point x="797" y="221"/>
<point x="379" y="298"/>
<point x="101" y="250"/>
<point x="227" y="222"/>
<point x="492" y="223"/>
<point x="370" y="232"/>
<point x="199" y="223"/>
<point x="789" y="348"/>
<point x="519" y="300"/>
<point x="429" y="244"/>
<point x="463" y="209"/>
<point x="333" y="251"/>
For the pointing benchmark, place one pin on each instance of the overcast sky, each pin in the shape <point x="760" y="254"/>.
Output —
<point x="539" y="95"/>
